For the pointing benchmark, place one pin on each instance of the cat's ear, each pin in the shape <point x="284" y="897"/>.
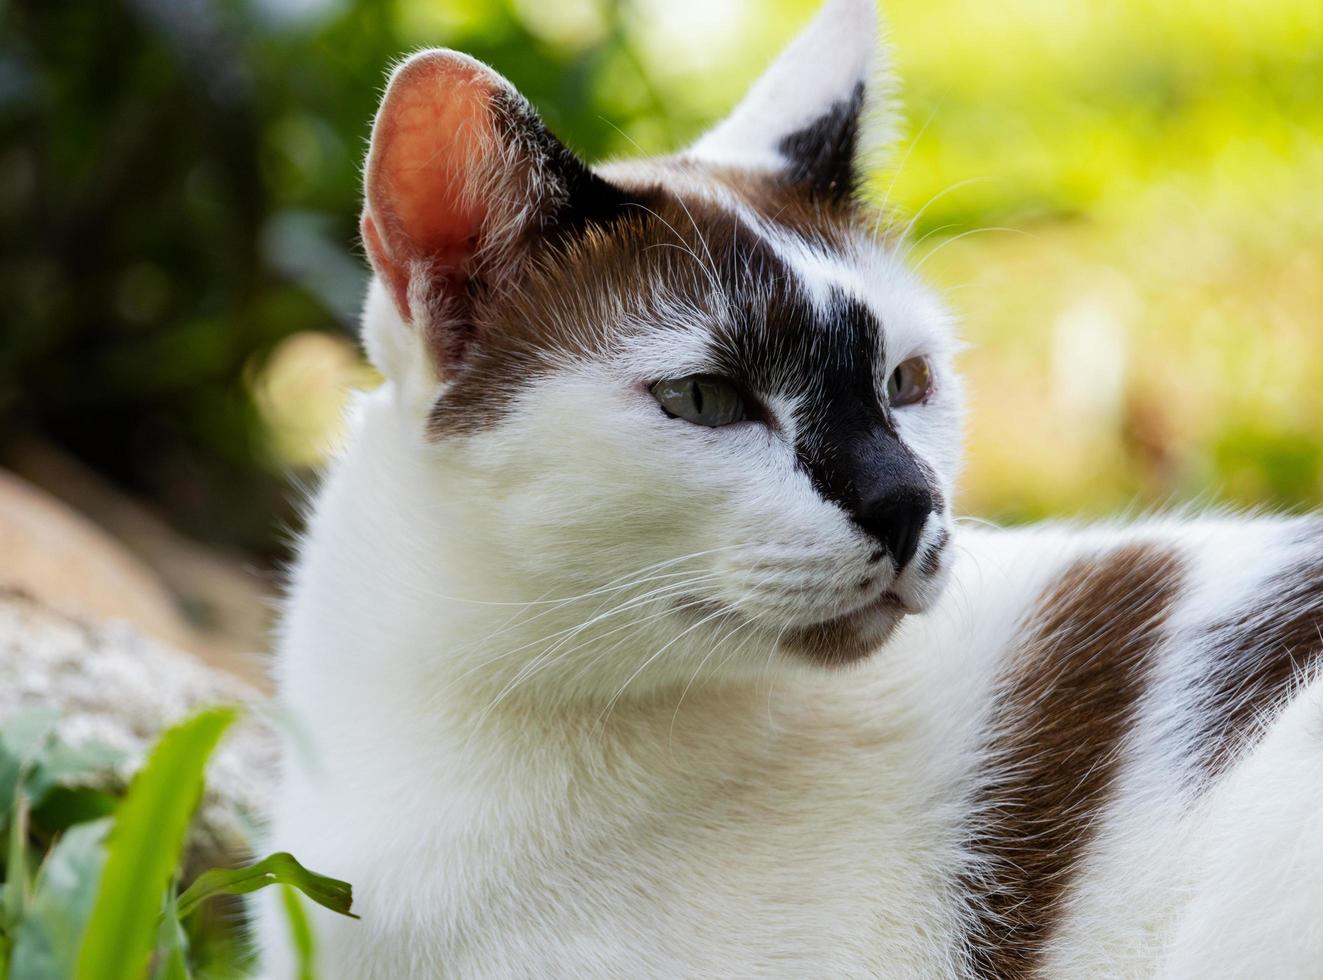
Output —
<point x="821" y="115"/>
<point x="462" y="180"/>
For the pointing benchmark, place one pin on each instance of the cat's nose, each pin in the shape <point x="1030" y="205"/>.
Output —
<point x="896" y="518"/>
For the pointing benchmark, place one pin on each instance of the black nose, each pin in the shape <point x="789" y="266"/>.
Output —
<point x="876" y="479"/>
<point x="896" y="519"/>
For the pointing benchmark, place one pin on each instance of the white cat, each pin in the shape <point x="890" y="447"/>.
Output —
<point x="632" y="635"/>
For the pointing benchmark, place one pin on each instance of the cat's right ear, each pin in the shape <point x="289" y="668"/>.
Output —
<point x="820" y="117"/>
<point x="462" y="178"/>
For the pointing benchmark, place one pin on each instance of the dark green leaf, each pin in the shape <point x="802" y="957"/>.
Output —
<point x="64" y="806"/>
<point x="279" y="868"/>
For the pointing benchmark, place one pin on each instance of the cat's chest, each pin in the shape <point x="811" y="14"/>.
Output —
<point x="808" y="849"/>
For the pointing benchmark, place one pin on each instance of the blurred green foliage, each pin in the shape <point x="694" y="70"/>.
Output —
<point x="91" y="872"/>
<point x="1149" y="328"/>
<point x="179" y="195"/>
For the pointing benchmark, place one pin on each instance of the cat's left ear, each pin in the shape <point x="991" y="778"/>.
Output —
<point x="821" y="115"/>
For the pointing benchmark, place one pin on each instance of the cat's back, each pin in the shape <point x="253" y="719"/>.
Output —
<point x="1144" y="735"/>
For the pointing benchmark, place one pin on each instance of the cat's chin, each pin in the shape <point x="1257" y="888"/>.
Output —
<point x="846" y="639"/>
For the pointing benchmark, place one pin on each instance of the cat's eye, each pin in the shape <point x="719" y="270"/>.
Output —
<point x="911" y="382"/>
<point x="703" y="399"/>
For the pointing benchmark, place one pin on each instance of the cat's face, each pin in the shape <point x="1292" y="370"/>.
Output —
<point x="705" y="383"/>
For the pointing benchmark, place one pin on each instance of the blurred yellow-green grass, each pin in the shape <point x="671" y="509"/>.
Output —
<point x="1120" y="197"/>
<point x="1151" y="330"/>
<point x="1124" y="201"/>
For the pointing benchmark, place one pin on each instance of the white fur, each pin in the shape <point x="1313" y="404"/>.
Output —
<point x="530" y="763"/>
<point x="837" y="51"/>
<point x="792" y="823"/>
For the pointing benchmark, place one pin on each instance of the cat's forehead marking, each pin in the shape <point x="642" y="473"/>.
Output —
<point x="823" y="273"/>
<point x="701" y="249"/>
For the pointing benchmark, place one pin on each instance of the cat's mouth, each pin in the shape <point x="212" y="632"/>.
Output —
<point x="834" y="642"/>
<point x="849" y="638"/>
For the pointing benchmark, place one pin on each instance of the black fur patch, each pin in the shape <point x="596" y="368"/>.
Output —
<point x="822" y="154"/>
<point x="826" y="360"/>
<point x="772" y="340"/>
<point x="583" y="197"/>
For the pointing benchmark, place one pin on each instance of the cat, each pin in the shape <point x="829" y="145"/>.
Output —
<point x="632" y="634"/>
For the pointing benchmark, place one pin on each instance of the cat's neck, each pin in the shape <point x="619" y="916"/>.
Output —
<point x="377" y="659"/>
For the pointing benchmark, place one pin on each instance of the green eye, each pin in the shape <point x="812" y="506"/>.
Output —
<point x="911" y="382"/>
<point x="700" y="398"/>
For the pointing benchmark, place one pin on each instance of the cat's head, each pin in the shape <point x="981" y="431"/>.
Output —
<point x="705" y="384"/>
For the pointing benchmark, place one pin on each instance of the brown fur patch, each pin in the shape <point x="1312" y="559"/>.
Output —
<point x="576" y="295"/>
<point x="848" y="639"/>
<point x="826" y="221"/>
<point x="1068" y="697"/>
<point x="1259" y="654"/>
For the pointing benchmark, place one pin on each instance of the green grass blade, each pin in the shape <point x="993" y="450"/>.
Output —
<point x="11" y="767"/>
<point x="145" y="847"/>
<point x="172" y="961"/>
<point x="300" y="933"/>
<point x="279" y="868"/>
<point x="16" y="859"/>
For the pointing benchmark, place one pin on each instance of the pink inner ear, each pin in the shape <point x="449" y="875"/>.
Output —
<point x="424" y="170"/>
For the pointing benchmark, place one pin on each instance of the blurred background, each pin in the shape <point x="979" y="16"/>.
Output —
<point x="1123" y="198"/>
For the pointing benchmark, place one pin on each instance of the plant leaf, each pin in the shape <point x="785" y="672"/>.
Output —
<point x="28" y="742"/>
<point x="11" y="767"/>
<point x="279" y="868"/>
<point x="16" y="859"/>
<point x="27" y="733"/>
<point x="172" y="963"/>
<point x="300" y="933"/>
<point x="71" y="765"/>
<point x="145" y="846"/>
<point x="22" y="741"/>
<point x="64" y="806"/>
<point x="46" y="943"/>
